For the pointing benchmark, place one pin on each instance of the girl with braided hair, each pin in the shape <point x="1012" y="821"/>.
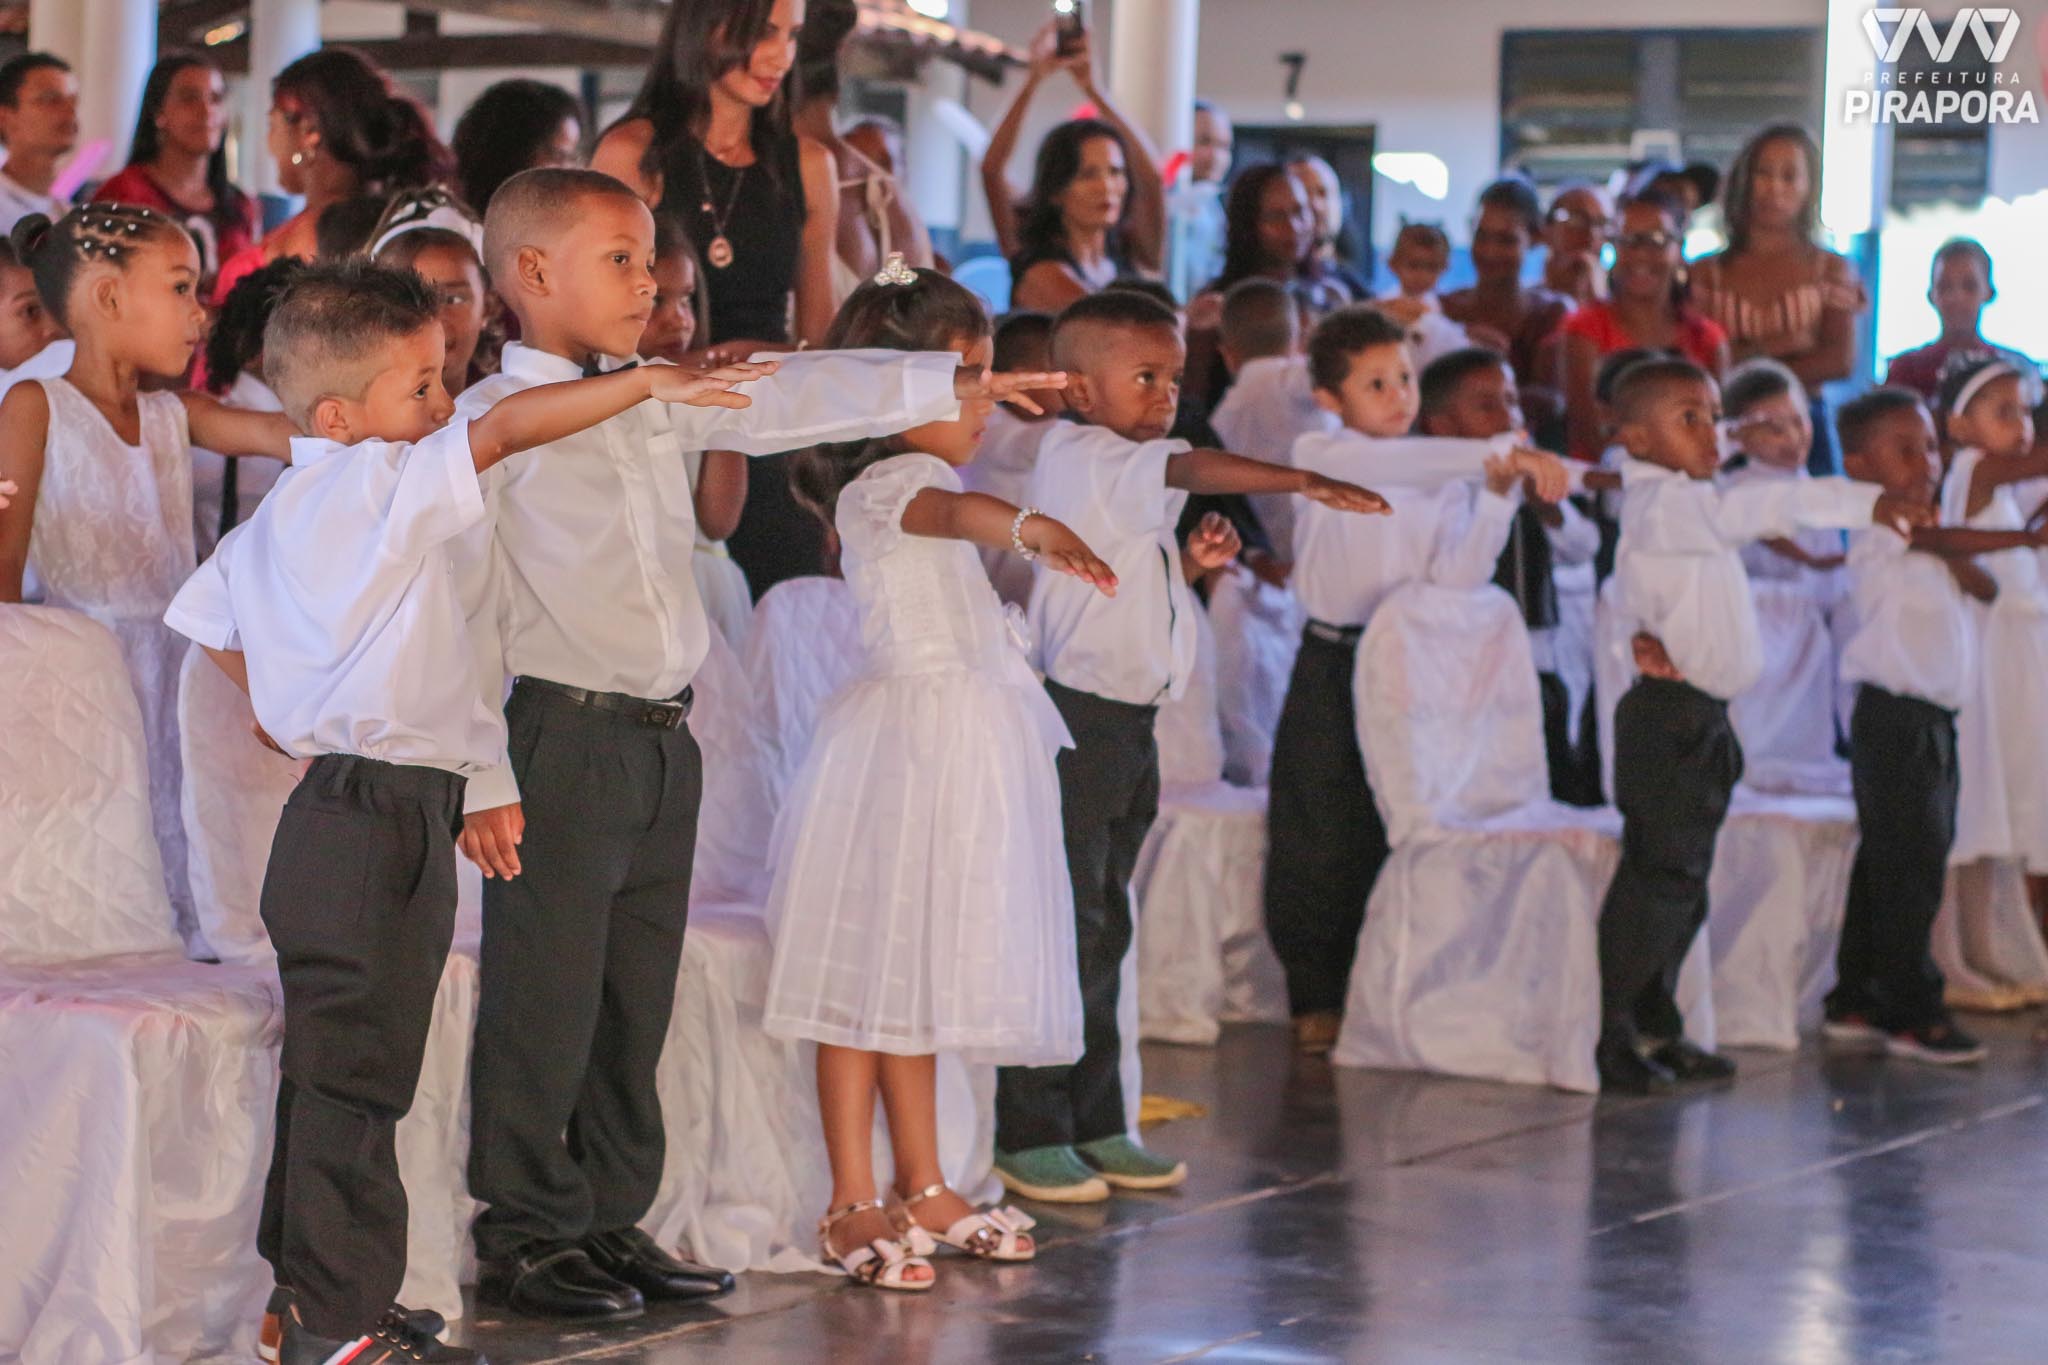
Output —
<point x="104" y="469"/>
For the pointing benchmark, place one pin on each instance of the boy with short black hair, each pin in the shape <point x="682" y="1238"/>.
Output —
<point x="1676" y="759"/>
<point x="1009" y="448"/>
<point x="1114" y="477"/>
<point x="1960" y="287"/>
<point x="335" y="608"/>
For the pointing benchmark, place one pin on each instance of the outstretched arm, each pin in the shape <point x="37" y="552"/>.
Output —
<point x="1219" y="471"/>
<point x="980" y="519"/>
<point x="536" y="416"/>
<point x="237" y="431"/>
<point x="1002" y="144"/>
<point x="1965" y="542"/>
<point x="1971" y="577"/>
<point x="1990" y="475"/>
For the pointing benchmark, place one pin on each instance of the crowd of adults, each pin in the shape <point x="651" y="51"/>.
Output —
<point x="735" y="138"/>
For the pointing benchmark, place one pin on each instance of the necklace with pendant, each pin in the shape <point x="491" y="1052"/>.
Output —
<point x="718" y="255"/>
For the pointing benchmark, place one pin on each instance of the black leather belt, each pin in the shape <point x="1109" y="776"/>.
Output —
<point x="1332" y="635"/>
<point x="663" y="715"/>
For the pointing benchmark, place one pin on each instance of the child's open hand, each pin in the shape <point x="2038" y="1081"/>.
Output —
<point x="1214" y="542"/>
<point x="706" y="388"/>
<point x="7" y="492"/>
<point x="1901" y="515"/>
<point x="1007" y="386"/>
<point x="1060" y="550"/>
<point x="1343" y="497"/>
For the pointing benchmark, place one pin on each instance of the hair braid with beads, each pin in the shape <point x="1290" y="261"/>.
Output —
<point x="92" y="234"/>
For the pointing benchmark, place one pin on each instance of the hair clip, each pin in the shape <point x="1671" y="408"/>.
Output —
<point x="895" y="271"/>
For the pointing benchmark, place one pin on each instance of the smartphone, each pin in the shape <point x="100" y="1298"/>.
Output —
<point x="1072" y="22"/>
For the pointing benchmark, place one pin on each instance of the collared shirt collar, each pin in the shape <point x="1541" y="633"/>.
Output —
<point x="309" y="449"/>
<point x="540" y="367"/>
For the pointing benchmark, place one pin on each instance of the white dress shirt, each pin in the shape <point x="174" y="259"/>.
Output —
<point x="1445" y="531"/>
<point x="1138" y="646"/>
<point x="1680" y="562"/>
<point x="583" y="569"/>
<point x="341" y="592"/>
<point x="1763" y="562"/>
<point x="1002" y="469"/>
<point x="1269" y="406"/>
<point x="18" y="201"/>
<point x="1915" y="634"/>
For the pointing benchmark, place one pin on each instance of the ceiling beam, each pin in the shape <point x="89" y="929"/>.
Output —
<point x="469" y="51"/>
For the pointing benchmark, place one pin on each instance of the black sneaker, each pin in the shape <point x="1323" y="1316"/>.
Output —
<point x="1689" y="1063"/>
<point x="1625" y="1071"/>
<point x="1937" y="1044"/>
<point x="1853" y="1030"/>
<point x="399" y="1338"/>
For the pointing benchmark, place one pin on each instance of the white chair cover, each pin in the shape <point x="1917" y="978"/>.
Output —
<point x="1258" y="633"/>
<point x="1189" y="735"/>
<point x="1986" y="940"/>
<point x="1787" y="721"/>
<point x="80" y="876"/>
<point x="1781" y="869"/>
<point x="737" y="812"/>
<point x="803" y="646"/>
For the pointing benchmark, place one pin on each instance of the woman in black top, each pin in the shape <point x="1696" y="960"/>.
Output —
<point x="707" y="141"/>
<point x="1097" y="207"/>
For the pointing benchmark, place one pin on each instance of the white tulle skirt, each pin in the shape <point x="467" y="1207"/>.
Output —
<point x="723" y="587"/>
<point x="920" y="901"/>
<point x="2002" y="742"/>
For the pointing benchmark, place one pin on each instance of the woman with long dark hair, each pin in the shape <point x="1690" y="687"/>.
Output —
<point x="1270" y="233"/>
<point x="708" y="141"/>
<point x="1775" y="290"/>
<point x="339" y="129"/>
<point x="1497" y="309"/>
<point x="1096" y="210"/>
<point x="514" y="126"/>
<point x="177" y="160"/>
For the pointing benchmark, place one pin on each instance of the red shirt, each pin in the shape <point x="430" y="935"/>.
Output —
<point x="1923" y="370"/>
<point x="1699" y="339"/>
<point x="222" y="232"/>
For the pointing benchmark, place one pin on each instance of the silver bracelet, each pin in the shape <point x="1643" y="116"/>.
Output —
<point x="1017" y="531"/>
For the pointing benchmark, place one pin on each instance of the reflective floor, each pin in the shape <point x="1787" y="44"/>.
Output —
<point x="1823" y="1209"/>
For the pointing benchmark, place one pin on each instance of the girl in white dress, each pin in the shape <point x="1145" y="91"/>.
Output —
<point x="920" y="900"/>
<point x="104" y="510"/>
<point x="2002" y="809"/>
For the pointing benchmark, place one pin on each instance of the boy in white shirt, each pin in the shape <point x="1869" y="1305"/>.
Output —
<point x="1116" y="479"/>
<point x="335" y="608"/>
<point x="1676" y="759"/>
<point x="1270" y="402"/>
<point x="1914" y="656"/>
<point x="1325" y="840"/>
<point x="587" y="835"/>
<point x="1009" y="448"/>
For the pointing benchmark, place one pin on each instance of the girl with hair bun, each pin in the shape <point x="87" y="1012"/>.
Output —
<point x="103" y="469"/>
<point x="921" y="900"/>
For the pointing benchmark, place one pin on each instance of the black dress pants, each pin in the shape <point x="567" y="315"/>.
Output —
<point x="1676" y="763"/>
<point x="359" y="900"/>
<point x="1109" y="797"/>
<point x="580" y="954"/>
<point x="1325" y="842"/>
<point x="1902" y="759"/>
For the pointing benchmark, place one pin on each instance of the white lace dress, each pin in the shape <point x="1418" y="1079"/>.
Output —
<point x="113" y="540"/>
<point x="920" y="900"/>
<point x="2001" y="742"/>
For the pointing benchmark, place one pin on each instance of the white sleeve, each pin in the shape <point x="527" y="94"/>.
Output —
<point x="1425" y="463"/>
<point x="204" y="611"/>
<point x="1473" y="532"/>
<point x="1577" y="540"/>
<point x="428" y="492"/>
<point x="824" y="396"/>
<point x="494" y="786"/>
<point x="1782" y="507"/>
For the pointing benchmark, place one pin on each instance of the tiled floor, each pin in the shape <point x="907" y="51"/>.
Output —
<point x="1824" y="1209"/>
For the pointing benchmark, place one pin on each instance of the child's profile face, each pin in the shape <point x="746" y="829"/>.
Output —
<point x="1131" y="385"/>
<point x="1679" y="429"/>
<point x="1378" y="396"/>
<point x="1776" y="432"/>
<point x="458" y="285"/>
<point x="1960" y="291"/>
<point x="1997" y="421"/>
<point x="1900" y="454"/>
<point x="1418" y="265"/>
<point x="25" y="325"/>
<point x="598" y="277"/>
<point x="405" y="401"/>
<point x="1485" y="404"/>
<point x="955" y="441"/>
<point x="153" y="305"/>
<point x="672" y="326"/>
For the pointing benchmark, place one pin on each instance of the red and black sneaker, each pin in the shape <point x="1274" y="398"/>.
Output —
<point x="400" y="1337"/>
<point x="1938" y="1044"/>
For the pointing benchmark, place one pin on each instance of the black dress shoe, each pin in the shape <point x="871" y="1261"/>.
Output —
<point x="1624" y="1071"/>
<point x="1689" y="1063"/>
<point x="399" y="1338"/>
<point x="559" y="1282"/>
<point x="632" y="1257"/>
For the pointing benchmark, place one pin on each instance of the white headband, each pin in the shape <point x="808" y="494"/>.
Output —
<point x="446" y="218"/>
<point x="1974" y="385"/>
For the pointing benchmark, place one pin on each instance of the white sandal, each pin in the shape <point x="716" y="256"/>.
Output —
<point x="883" y="1261"/>
<point x="988" y="1234"/>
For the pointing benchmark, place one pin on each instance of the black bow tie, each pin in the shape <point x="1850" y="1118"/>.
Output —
<point x="594" y="367"/>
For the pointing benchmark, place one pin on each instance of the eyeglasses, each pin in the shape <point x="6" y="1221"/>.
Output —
<point x="1580" y="218"/>
<point x="1656" y="240"/>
